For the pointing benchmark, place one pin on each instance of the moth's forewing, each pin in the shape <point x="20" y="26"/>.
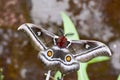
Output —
<point x="45" y="36"/>
<point x="40" y="38"/>
<point x="85" y="50"/>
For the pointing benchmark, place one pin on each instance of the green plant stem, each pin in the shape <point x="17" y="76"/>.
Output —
<point x="82" y="73"/>
<point x="98" y="59"/>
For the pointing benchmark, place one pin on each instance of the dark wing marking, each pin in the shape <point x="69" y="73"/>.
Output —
<point x="85" y="50"/>
<point x="40" y="37"/>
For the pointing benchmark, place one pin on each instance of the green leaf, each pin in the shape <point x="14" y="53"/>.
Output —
<point x="99" y="59"/>
<point x="1" y="75"/>
<point x="118" y="77"/>
<point x="57" y="75"/>
<point x="69" y="27"/>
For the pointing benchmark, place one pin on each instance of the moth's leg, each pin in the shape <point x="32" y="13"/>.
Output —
<point x="48" y="75"/>
<point x="62" y="77"/>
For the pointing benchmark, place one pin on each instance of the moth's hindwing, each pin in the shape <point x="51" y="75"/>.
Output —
<point x="85" y="50"/>
<point x="59" y="59"/>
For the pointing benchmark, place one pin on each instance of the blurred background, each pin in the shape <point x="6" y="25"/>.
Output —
<point x="94" y="19"/>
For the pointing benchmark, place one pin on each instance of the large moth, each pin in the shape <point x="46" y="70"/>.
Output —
<point x="59" y="53"/>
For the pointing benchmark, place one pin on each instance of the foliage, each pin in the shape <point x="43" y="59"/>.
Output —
<point x="118" y="77"/>
<point x="1" y="75"/>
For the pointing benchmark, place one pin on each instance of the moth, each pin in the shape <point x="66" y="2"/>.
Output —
<point x="60" y="53"/>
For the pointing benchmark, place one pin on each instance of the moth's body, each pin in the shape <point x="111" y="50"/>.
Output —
<point x="63" y="54"/>
<point x="62" y="42"/>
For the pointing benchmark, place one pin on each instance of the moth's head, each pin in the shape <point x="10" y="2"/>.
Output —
<point x="59" y="59"/>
